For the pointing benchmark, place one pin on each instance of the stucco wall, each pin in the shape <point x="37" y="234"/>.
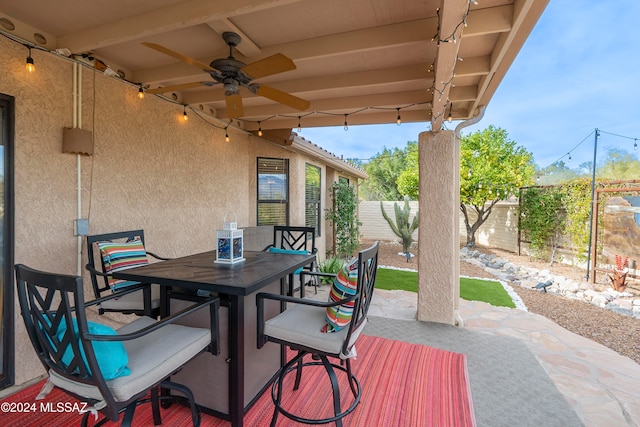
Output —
<point x="150" y="170"/>
<point x="499" y="231"/>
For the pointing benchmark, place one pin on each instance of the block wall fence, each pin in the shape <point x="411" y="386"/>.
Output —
<point x="499" y="231"/>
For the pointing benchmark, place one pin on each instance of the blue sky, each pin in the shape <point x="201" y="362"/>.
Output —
<point x="578" y="71"/>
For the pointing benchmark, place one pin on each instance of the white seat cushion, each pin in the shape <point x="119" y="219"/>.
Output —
<point x="302" y="324"/>
<point x="133" y="301"/>
<point x="152" y="358"/>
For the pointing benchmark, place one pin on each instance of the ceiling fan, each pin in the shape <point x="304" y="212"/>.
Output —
<point x="233" y="74"/>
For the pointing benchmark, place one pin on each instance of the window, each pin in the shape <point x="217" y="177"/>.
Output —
<point x="312" y="197"/>
<point x="273" y="191"/>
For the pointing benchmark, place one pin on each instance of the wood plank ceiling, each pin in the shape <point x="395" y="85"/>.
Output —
<point x="356" y="61"/>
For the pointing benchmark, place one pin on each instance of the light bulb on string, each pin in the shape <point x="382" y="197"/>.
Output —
<point x="140" y="93"/>
<point x="185" y="117"/>
<point x="569" y="159"/>
<point x="299" y="125"/>
<point x="346" y="126"/>
<point x="30" y="65"/>
<point x="226" y="135"/>
<point x="398" y="120"/>
<point x="259" y="129"/>
<point x="635" y="144"/>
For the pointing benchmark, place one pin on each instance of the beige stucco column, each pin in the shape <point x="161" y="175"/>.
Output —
<point x="439" y="202"/>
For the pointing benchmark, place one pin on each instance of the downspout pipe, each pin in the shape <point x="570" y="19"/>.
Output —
<point x="472" y="121"/>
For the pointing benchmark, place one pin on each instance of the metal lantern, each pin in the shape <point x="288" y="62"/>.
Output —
<point x="230" y="245"/>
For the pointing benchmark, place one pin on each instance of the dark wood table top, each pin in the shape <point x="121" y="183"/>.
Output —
<point x="201" y="272"/>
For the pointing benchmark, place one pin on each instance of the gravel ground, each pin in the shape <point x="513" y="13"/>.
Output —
<point x="616" y="331"/>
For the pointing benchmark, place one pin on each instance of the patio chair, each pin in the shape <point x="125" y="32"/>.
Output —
<point x="296" y="240"/>
<point x="117" y="251"/>
<point x="322" y="329"/>
<point x="110" y="371"/>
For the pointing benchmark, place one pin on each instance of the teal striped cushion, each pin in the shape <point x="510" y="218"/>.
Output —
<point x="121" y="256"/>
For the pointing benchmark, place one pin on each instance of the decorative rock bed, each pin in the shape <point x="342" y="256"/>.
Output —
<point x="620" y="302"/>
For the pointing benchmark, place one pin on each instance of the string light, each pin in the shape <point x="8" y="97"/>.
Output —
<point x="450" y="113"/>
<point x="569" y="159"/>
<point x="398" y="120"/>
<point x="30" y="65"/>
<point x="226" y="135"/>
<point x="635" y="145"/>
<point x="299" y="125"/>
<point x="259" y="129"/>
<point x="346" y="126"/>
<point x="184" y="114"/>
<point x="140" y="93"/>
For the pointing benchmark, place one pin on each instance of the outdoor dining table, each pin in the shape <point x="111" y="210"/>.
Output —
<point x="228" y="384"/>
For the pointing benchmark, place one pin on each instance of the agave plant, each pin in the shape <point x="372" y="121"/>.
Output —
<point x="402" y="227"/>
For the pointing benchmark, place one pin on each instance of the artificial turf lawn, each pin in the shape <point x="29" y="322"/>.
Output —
<point x="488" y="291"/>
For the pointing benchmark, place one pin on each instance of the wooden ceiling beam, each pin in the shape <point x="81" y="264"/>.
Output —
<point x="173" y="17"/>
<point x="389" y="102"/>
<point x="452" y="13"/>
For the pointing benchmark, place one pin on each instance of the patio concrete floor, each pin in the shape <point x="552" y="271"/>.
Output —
<point x="600" y="386"/>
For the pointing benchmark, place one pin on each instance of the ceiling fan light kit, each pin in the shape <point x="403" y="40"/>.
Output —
<point x="234" y="74"/>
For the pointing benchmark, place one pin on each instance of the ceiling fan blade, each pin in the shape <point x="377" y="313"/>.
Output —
<point x="283" y="97"/>
<point x="268" y="66"/>
<point x="179" y="87"/>
<point x="234" y="106"/>
<point x="177" y="55"/>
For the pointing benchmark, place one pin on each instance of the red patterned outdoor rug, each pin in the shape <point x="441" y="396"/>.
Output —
<point x="402" y="385"/>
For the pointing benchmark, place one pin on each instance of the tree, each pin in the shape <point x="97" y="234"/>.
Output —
<point x="619" y="165"/>
<point x="384" y="169"/>
<point x="344" y="216"/>
<point x="408" y="181"/>
<point x="557" y="173"/>
<point x="492" y="168"/>
<point x="402" y="228"/>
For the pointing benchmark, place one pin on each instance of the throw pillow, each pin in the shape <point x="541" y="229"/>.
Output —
<point x="111" y="356"/>
<point x="289" y="251"/>
<point x="344" y="285"/>
<point x="121" y="256"/>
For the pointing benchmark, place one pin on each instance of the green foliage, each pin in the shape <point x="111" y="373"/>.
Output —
<point x="487" y="291"/>
<point x="492" y="168"/>
<point x="577" y="199"/>
<point x="558" y="173"/>
<point x="402" y="227"/>
<point x="344" y="216"/>
<point x="330" y="265"/>
<point x="408" y="182"/>
<point x="550" y="212"/>
<point x="384" y="170"/>
<point x="619" y="165"/>
<point x="542" y="219"/>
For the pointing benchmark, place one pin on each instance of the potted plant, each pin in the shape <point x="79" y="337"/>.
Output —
<point x="620" y="272"/>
